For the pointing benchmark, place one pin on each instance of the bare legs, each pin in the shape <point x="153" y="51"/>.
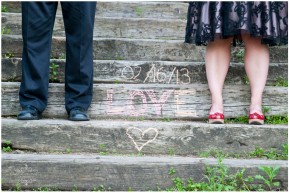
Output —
<point x="217" y="61"/>
<point x="256" y="66"/>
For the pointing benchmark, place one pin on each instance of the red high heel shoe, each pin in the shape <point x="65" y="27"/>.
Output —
<point x="256" y="119"/>
<point x="216" y="118"/>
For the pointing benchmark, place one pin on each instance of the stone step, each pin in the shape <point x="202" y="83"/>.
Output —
<point x="152" y="101"/>
<point x="117" y="173"/>
<point x="136" y="49"/>
<point x="146" y="72"/>
<point x="137" y="9"/>
<point x="119" y="137"/>
<point x="113" y="27"/>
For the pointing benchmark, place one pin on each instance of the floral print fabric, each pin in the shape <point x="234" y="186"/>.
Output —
<point x="217" y="19"/>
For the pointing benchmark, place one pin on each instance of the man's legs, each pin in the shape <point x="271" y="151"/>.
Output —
<point x="37" y="26"/>
<point x="79" y="24"/>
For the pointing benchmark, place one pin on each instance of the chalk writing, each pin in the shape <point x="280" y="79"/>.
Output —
<point x="138" y="103"/>
<point x="157" y="74"/>
<point x="139" y="137"/>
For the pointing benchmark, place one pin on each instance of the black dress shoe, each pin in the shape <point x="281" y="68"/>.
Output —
<point x="78" y="114"/>
<point x="29" y="113"/>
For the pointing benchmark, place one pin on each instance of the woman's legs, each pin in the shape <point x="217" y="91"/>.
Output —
<point x="256" y="66"/>
<point x="217" y="60"/>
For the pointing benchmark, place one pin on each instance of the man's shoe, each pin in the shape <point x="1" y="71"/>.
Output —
<point x="78" y="114"/>
<point x="29" y="113"/>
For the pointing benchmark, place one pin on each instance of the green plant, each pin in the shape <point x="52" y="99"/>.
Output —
<point x="4" y="8"/>
<point x="266" y="109"/>
<point x="171" y="171"/>
<point x="8" y="55"/>
<point x="53" y="72"/>
<point x="271" y="174"/>
<point x="5" y="30"/>
<point x="166" y="119"/>
<point x="241" y="119"/>
<point x="217" y="178"/>
<point x="68" y="150"/>
<point x="285" y="151"/>
<point x="103" y="150"/>
<point x="171" y="152"/>
<point x="139" y="11"/>
<point x="119" y="58"/>
<point x="7" y="146"/>
<point x="18" y="187"/>
<point x="246" y="80"/>
<point x="240" y="55"/>
<point x="75" y="188"/>
<point x="45" y="189"/>
<point x="276" y="119"/>
<point x="273" y="119"/>
<point x="281" y="82"/>
<point x="272" y="154"/>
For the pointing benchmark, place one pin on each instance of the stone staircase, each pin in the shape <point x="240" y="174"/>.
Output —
<point x="149" y="108"/>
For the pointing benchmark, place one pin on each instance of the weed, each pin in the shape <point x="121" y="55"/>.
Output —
<point x="68" y="150"/>
<point x="240" y="55"/>
<point x="171" y="152"/>
<point x="5" y="30"/>
<point x="272" y="154"/>
<point x="53" y="72"/>
<point x="75" y="188"/>
<point x="119" y="58"/>
<point x="45" y="189"/>
<point x="139" y="11"/>
<point x="166" y="119"/>
<point x="266" y="109"/>
<point x="171" y="171"/>
<point x="103" y="150"/>
<point x="246" y="80"/>
<point x="218" y="178"/>
<point x="140" y="154"/>
<point x="276" y="119"/>
<point x="8" y="55"/>
<point x="18" y="187"/>
<point x="281" y="82"/>
<point x="4" y="8"/>
<point x="273" y="119"/>
<point x="271" y="174"/>
<point x="7" y="146"/>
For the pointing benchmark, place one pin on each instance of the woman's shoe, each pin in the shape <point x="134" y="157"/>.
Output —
<point x="216" y="118"/>
<point x="256" y="119"/>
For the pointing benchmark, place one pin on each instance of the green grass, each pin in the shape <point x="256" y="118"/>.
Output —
<point x="281" y="82"/>
<point x="272" y="120"/>
<point x="53" y="72"/>
<point x="5" y="30"/>
<point x="7" y="146"/>
<point x="272" y="154"/>
<point x="139" y="11"/>
<point x="219" y="178"/>
<point x="4" y="8"/>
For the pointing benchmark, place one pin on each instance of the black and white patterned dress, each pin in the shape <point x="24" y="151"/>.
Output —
<point x="207" y="21"/>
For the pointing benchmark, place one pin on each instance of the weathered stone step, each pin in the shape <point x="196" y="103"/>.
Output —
<point x="152" y="101"/>
<point x="88" y="172"/>
<point x="115" y="27"/>
<point x="174" y="10"/>
<point x="136" y="49"/>
<point x="148" y="137"/>
<point x="145" y="72"/>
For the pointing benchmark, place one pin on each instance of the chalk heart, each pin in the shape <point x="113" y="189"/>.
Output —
<point x="142" y="133"/>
